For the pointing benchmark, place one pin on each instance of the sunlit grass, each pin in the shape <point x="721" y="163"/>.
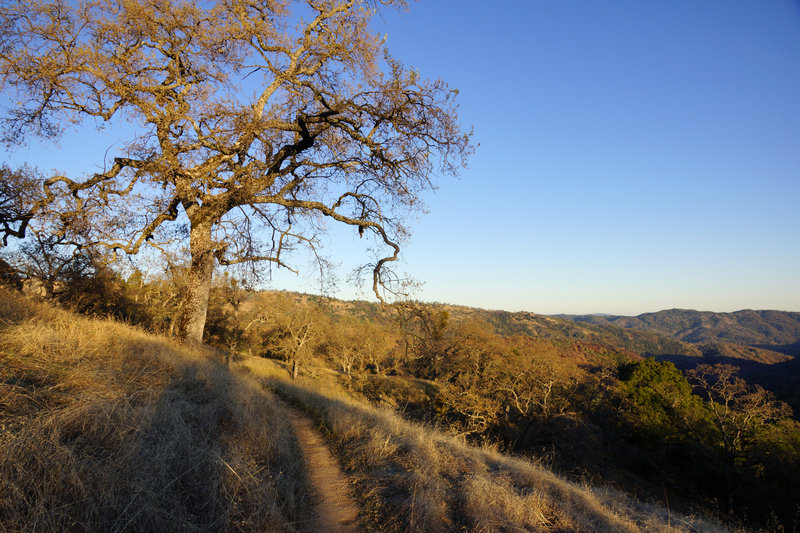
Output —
<point x="411" y="477"/>
<point x="106" y="427"/>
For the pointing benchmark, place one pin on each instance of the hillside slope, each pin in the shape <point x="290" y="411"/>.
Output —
<point x="559" y="330"/>
<point x="778" y="331"/>
<point x="645" y="343"/>
<point x="106" y="427"/>
<point x="411" y="477"/>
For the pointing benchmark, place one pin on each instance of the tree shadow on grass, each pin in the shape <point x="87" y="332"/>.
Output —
<point x="199" y="466"/>
<point x="194" y="449"/>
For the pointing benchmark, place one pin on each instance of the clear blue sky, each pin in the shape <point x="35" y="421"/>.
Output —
<point x="634" y="156"/>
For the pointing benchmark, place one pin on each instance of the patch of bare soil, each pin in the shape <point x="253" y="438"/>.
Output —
<point x="335" y="509"/>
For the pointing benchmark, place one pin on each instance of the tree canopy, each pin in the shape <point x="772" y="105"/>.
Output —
<point x="255" y="121"/>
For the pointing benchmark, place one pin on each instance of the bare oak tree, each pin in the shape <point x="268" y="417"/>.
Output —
<point x="253" y="121"/>
<point x="294" y="328"/>
<point x="738" y="412"/>
<point x="18" y="192"/>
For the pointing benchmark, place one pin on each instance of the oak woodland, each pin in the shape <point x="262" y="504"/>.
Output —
<point x="252" y="123"/>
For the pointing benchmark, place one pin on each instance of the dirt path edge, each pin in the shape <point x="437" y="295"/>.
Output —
<point x="335" y="509"/>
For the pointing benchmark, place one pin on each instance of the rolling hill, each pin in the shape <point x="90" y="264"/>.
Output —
<point x="765" y="345"/>
<point x="777" y="331"/>
<point x="558" y="330"/>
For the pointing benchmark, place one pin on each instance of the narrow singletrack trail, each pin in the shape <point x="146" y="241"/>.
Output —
<point x="335" y="509"/>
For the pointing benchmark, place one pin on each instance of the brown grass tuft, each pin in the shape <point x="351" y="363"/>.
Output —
<point x="493" y="503"/>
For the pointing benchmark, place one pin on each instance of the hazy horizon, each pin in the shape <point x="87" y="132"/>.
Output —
<point x="352" y="295"/>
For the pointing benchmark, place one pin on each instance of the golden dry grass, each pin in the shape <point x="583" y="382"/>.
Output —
<point x="105" y="427"/>
<point x="413" y="478"/>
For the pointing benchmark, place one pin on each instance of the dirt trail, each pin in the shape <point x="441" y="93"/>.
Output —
<point x="336" y="511"/>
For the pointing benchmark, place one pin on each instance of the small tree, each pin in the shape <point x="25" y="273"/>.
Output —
<point x="426" y="333"/>
<point x="54" y="251"/>
<point x="224" y="324"/>
<point x="253" y="128"/>
<point x="163" y="294"/>
<point x="470" y="377"/>
<point x="377" y="343"/>
<point x="660" y="403"/>
<point x="739" y="412"/>
<point x="355" y="343"/>
<point x="292" y="328"/>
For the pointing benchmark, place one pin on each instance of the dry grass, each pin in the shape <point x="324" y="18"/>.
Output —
<point x="106" y="428"/>
<point x="413" y="478"/>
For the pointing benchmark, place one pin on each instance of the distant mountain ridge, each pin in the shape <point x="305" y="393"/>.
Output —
<point x="569" y="334"/>
<point x="560" y="331"/>
<point x="778" y="331"/>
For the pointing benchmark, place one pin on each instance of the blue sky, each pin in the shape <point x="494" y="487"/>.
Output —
<point x="634" y="156"/>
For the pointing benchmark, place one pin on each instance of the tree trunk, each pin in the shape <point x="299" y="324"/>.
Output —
<point x="198" y="286"/>
<point x="295" y="368"/>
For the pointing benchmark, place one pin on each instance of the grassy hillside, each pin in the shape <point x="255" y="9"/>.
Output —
<point x="581" y="395"/>
<point x="410" y="477"/>
<point x="106" y="427"/>
<point x="646" y="343"/>
<point x="765" y="337"/>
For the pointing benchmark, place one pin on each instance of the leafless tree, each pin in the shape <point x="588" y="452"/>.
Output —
<point x="425" y="330"/>
<point x="294" y="329"/>
<point x="257" y="121"/>
<point x="19" y="191"/>
<point x="738" y="411"/>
